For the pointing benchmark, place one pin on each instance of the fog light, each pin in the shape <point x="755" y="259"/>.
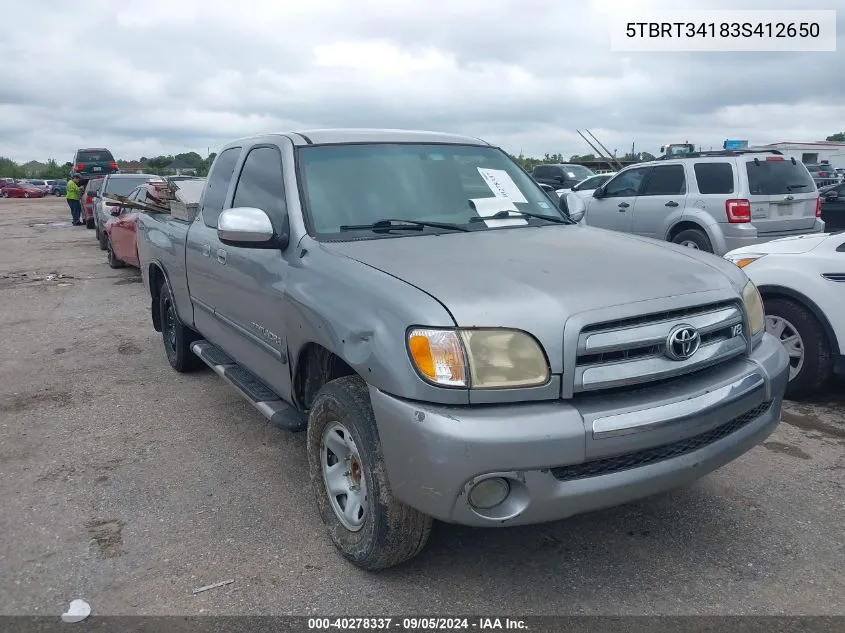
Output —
<point x="489" y="493"/>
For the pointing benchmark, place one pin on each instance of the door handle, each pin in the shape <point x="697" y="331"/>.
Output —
<point x="671" y="203"/>
<point x="206" y="250"/>
<point x="221" y="256"/>
<point x="623" y="206"/>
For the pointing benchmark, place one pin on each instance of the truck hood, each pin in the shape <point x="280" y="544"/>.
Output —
<point x="531" y="278"/>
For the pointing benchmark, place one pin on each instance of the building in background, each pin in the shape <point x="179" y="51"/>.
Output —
<point x="811" y="153"/>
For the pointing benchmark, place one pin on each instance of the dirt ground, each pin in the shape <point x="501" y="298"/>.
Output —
<point x="128" y="485"/>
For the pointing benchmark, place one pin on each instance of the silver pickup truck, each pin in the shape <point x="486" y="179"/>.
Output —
<point x="454" y="345"/>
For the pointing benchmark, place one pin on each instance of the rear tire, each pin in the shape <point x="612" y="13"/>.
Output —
<point x="176" y="337"/>
<point x="379" y="531"/>
<point x="694" y="238"/>
<point x="114" y="262"/>
<point x="787" y="319"/>
<point x="89" y="224"/>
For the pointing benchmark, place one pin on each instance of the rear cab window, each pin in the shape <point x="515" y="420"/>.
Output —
<point x="774" y="176"/>
<point x="124" y="186"/>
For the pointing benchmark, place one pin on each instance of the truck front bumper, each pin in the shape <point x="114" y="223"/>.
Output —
<point x="565" y="458"/>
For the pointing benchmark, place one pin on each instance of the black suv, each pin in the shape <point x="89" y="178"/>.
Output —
<point x="94" y="162"/>
<point x="561" y="176"/>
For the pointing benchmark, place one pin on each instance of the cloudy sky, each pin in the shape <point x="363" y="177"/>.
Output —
<point x="146" y="77"/>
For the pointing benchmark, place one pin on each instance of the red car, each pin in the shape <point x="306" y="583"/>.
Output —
<point x="87" y="201"/>
<point x="120" y="231"/>
<point x="22" y="190"/>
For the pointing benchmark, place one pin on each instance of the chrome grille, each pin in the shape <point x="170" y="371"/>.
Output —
<point x="632" y="351"/>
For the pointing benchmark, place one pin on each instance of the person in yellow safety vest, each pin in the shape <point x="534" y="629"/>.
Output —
<point x="73" y="195"/>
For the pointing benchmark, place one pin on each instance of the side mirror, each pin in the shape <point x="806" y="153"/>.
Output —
<point x="248" y="227"/>
<point x="575" y="205"/>
<point x="598" y="192"/>
<point x="115" y="212"/>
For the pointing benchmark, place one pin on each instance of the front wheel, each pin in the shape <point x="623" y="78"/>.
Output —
<point x="89" y="224"/>
<point x="368" y="526"/>
<point x="101" y="236"/>
<point x="805" y="341"/>
<point x="26" y="194"/>
<point x="694" y="238"/>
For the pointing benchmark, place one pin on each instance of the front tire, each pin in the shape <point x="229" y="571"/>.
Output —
<point x="694" y="238"/>
<point x="804" y="338"/>
<point x="89" y="224"/>
<point x="368" y="526"/>
<point x="176" y="337"/>
<point x="101" y="236"/>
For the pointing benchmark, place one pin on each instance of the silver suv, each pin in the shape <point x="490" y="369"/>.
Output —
<point x="712" y="201"/>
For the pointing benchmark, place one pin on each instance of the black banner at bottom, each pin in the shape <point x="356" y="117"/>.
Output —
<point x="424" y="624"/>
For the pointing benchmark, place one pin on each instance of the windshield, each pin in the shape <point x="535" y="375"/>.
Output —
<point x="124" y="186"/>
<point x="775" y="177"/>
<point x="355" y="185"/>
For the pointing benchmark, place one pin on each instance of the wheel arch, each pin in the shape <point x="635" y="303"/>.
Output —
<point x="773" y="291"/>
<point x="315" y="365"/>
<point x="157" y="277"/>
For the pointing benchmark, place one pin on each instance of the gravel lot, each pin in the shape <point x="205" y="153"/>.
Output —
<point x="129" y="485"/>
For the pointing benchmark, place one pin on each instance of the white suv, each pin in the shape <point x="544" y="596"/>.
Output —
<point x="712" y="201"/>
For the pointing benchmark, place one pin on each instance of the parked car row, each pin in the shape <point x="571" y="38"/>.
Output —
<point x="27" y="188"/>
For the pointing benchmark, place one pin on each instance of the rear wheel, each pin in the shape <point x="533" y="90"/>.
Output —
<point x="176" y="337"/>
<point x="114" y="262"/>
<point x="89" y="224"/>
<point x="804" y="338"/>
<point x="693" y="238"/>
<point x="367" y="525"/>
<point x="26" y="194"/>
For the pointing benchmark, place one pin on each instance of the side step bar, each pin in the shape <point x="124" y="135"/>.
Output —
<point x="271" y="406"/>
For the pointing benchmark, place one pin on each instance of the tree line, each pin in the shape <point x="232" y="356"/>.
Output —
<point x="52" y="170"/>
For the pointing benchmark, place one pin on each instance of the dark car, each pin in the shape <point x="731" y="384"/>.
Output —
<point x="59" y="187"/>
<point x="561" y="176"/>
<point x="833" y="207"/>
<point x="94" y="162"/>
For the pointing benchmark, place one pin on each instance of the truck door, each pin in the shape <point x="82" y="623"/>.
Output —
<point x="200" y="254"/>
<point x="251" y="305"/>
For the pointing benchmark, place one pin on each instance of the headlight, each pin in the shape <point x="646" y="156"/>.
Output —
<point x="754" y="308"/>
<point x="743" y="260"/>
<point x="478" y="358"/>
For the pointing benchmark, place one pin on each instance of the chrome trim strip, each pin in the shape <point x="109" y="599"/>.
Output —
<point x="655" y="333"/>
<point x="672" y="413"/>
<point x="251" y="337"/>
<point x="631" y="372"/>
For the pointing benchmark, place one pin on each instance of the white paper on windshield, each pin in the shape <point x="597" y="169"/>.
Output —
<point x="485" y="207"/>
<point x="501" y="184"/>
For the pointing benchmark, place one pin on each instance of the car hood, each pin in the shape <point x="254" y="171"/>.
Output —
<point x="794" y="245"/>
<point x="528" y="278"/>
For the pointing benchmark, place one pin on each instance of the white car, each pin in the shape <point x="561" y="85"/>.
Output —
<point x="802" y="282"/>
<point x="586" y="187"/>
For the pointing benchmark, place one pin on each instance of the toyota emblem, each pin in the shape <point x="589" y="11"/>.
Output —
<point x="683" y="341"/>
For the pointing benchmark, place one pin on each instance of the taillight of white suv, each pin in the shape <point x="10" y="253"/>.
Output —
<point x="738" y="211"/>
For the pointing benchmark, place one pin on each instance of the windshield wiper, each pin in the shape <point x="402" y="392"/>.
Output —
<point x="401" y="225"/>
<point x="505" y="214"/>
<point x="791" y="187"/>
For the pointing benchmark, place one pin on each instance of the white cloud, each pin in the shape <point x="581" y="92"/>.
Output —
<point x="146" y="77"/>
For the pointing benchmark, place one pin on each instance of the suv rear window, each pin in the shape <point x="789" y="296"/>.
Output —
<point x="94" y="156"/>
<point x="775" y="177"/>
<point x="714" y="177"/>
